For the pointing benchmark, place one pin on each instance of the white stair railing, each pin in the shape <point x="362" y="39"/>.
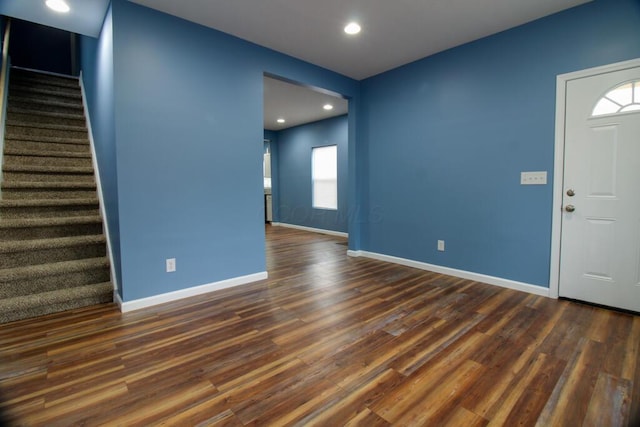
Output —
<point x="4" y="89"/>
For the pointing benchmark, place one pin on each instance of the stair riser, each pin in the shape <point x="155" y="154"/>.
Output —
<point x="20" y="88"/>
<point x="27" y="194"/>
<point x="50" y="82"/>
<point x="10" y="289"/>
<point x="43" y="256"/>
<point x="47" y="177"/>
<point x="23" y="132"/>
<point x="15" y="144"/>
<point x="19" y="97"/>
<point x="52" y="105"/>
<point x="32" y="118"/>
<point x="47" y="161"/>
<point x="48" y="211"/>
<point x="45" y="92"/>
<point x="50" y="232"/>
<point x="42" y="310"/>
<point x="43" y="109"/>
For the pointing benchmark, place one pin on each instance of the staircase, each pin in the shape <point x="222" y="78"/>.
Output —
<point x="52" y="247"/>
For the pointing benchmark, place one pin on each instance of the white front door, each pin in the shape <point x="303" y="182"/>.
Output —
<point x="600" y="239"/>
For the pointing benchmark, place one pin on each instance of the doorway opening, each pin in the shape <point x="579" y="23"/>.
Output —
<point x="298" y="120"/>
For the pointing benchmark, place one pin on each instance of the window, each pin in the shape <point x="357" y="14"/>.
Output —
<point x="620" y="99"/>
<point x="324" y="176"/>
<point x="266" y="170"/>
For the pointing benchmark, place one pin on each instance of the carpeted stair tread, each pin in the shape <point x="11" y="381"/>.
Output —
<point x="48" y="208"/>
<point x="52" y="269"/>
<point x="48" y="169"/>
<point x="48" y="228"/>
<point x="47" y="126"/>
<point x="43" y="153"/>
<point x="30" y="78"/>
<point x="23" y="99"/>
<point x="53" y="185"/>
<point x="40" y="304"/>
<point x="23" y="90"/>
<point x="22" y="74"/>
<point x="35" y="282"/>
<point x="51" y="114"/>
<point x="31" y="73"/>
<point x="51" y="89"/>
<point x="8" y="223"/>
<point x="53" y="161"/>
<point x="45" y="91"/>
<point x="46" y="194"/>
<point x="23" y="253"/>
<point x="47" y="177"/>
<point x="22" y="203"/>
<point x="58" y="242"/>
<point x="48" y="139"/>
<point x="45" y="104"/>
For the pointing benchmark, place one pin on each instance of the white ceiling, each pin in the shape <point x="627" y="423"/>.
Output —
<point x="395" y="32"/>
<point x="85" y="16"/>
<point x="297" y="104"/>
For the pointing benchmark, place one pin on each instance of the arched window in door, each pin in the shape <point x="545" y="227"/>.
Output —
<point x="621" y="99"/>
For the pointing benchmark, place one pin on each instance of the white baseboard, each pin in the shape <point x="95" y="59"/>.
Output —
<point x="311" y="229"/>
<point x="126" y="306"/>
<point x="477" y="277"/>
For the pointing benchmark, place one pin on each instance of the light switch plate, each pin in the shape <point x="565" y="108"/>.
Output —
<point x="533" y="178"/>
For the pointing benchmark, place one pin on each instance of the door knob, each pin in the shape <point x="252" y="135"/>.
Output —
<point x="569" y="208"/>
<point x="571" y="193"/>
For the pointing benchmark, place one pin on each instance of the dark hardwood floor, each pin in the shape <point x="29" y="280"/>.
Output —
<point x="328" y="340"/>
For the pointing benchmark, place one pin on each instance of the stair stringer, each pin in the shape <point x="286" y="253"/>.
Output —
<point x="103" y="210"/>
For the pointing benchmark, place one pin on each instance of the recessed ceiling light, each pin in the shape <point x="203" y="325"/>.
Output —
<point x="280" y="120"/>
<point x="352" y="28"/>
<point x="58" y="5"/>
<point x="328" y="107"/>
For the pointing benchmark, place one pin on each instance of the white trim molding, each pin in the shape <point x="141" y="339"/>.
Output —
<point x="96" y="168"/>
<point x="558" y="160"/>
<point x="5" y="67"/>
<point x="476" y="277"/>
<point x="127" y="306"/>
<point x="311" y="229"/>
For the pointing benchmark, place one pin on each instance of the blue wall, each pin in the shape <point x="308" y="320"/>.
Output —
<point x="294" y="174"/>
<point x="187" y="126"/>
<point x="97" y="76"/>
<point x="435" y="148"/>
<point x="448" y="136"/>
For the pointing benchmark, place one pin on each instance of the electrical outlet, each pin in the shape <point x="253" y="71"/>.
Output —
<point x="441" y="245"/>
<point x="171" y="265"/>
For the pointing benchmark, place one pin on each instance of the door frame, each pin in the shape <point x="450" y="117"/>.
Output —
<point x="558" y="161"/>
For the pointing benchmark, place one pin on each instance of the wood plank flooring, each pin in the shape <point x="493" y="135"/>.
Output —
<point x="328" y="340"/>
